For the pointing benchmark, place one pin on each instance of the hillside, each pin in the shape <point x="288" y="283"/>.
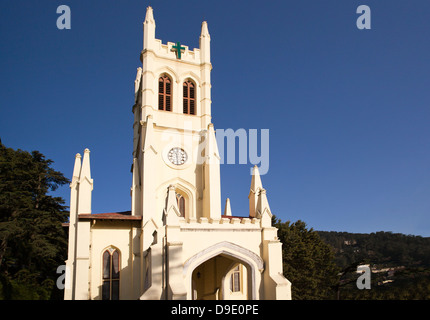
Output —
<point x="400" y="264"/>
<point x="383" y="249"/>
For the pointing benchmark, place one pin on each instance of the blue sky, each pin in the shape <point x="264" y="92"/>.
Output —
<point x="348" y="110"/>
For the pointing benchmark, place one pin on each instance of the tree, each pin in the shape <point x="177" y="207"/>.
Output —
<point x="308" y="262"/>
<point x="33" y="242"/>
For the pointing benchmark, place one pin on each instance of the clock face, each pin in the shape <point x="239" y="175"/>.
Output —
<point x="177" y="156"/>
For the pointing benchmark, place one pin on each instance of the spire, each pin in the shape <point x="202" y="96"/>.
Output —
<point x="74" y="200"/>
<point x="205" y="32"/>
<point x="206" y="67"/>
<point x="85" y="170"/>
<point x="256" y="180"/>
<point x="149" y="18"/>
<point x="76" y="168"/>
<point x="148" y="29"/>
<point x="204" y="42"/>
<point x="85" y="185"/>
<point x="227" y="209"/>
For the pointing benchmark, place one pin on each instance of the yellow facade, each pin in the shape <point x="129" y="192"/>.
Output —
<point x="175" y="242"/>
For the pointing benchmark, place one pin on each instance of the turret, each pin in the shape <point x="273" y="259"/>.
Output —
<point x="70" y="263"/>
<point x="206" y="67"/>
<point x="227" y="208"/>
<point x="80" y="202"/>
<point x="85" y="185"/>
<point x="148" y="29"/>
<point x="205" y="43"/>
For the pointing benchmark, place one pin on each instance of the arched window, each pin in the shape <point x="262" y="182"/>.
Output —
<point x="111" y="263"/>
<point x="164" y="93"/>
<point x="189" y="97"/>
<point x="181" y="204"/>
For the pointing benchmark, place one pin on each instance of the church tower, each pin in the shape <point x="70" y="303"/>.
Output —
<point x="175" y="242"/>
<point x="173" y="133"/>
<point x="175" y="155"/>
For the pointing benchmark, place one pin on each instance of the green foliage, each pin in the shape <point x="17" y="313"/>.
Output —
<point x="308" y="262"/>
<point x="400" y="264"/>
<point x="26" y="286"/>
<point x="413" y="285"/>
<point x="383" y="249"/>
<point x="323" y="265"/>
<point x="33" y="242"/>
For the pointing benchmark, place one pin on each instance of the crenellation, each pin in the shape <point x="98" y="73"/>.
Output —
<point x="225" y="223"/>
<point x="225" y="220"/>
<point x="165" y="51"/>
<point x="255" y="221"/>
<point x="245" y="221"/>
<point x="235" y="220"/>
<point x="214" y="221"/>
<point x="203" y="220"/>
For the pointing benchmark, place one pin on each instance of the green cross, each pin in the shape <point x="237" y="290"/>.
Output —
<point x="178" y="48"/>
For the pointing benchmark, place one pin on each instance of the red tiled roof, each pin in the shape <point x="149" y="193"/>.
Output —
<point x="231" y="217"/>
<point x="125" y="215"/>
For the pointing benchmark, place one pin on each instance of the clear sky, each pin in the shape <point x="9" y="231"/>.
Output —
<point x="348" y="110"/>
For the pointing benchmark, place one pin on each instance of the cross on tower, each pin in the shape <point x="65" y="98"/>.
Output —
<point x="178" y="48"/>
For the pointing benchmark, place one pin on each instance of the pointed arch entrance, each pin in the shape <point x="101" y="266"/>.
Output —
<point x="209" y="273"/>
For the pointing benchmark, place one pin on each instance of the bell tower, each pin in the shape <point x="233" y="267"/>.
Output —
<point x="174" y="141"/>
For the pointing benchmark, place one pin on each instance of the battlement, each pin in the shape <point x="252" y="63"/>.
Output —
<point x="175" y="51"/>
<point x="225" y="223"/>
<point x="166" y="51"/>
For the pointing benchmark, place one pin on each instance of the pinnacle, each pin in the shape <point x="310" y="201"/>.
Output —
<point x="149" y="18"/>
<point x="205" y="31"/>
<point x="256" y="180"/>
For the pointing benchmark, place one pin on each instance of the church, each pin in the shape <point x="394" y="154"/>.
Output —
<point x="176" y="242"/>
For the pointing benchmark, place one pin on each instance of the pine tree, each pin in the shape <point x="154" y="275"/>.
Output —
<point x="33" y="242"/>
<point x="308" y="262"/>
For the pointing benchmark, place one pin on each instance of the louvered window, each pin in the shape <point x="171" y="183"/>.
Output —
<point x="164" y="93"/>
<point x="189" y="97"/>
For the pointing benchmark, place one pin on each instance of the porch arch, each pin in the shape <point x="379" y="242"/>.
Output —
<point x="253" y="263"/>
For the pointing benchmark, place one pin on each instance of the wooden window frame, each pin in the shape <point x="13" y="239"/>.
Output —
<point x="165" y="93"/>
<point x="109" y="278"/>
<point x="189" y="97"/>
<point x="236" y="279"/>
